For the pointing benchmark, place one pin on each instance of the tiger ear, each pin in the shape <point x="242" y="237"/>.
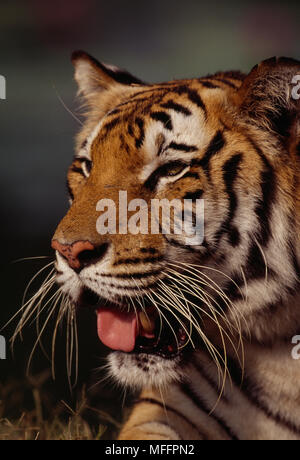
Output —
<point x="269" y="96"/>
<point x="93" y="76"/>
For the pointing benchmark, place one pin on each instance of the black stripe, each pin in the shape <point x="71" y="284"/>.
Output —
<point x="130" y="130"/>
<point x="133" y="101"/>
<point x="130" y="275"/>
<point x="137" y="260"/>
<point x="232" y="74"/>
<point x="215" y="145"/>
<point x="255" y="267"/>
<point x="123" y="144"/>
<point x="196" y="99"/>
<point x="193" y="96"/>
<point x="164" y="118"/>
<point x="88" y="165"/>
<point x="139" y="141"/>
<point x="226" y="82"/>
<point x="146" y="91"/>
<point x="170" y="409"/>
<point x="149" y="250"/>
<point x="199" y="402"/>
<point x="281" y="120"/>
<point x="162" y="88"/>
<point x="182" y="147"/>
<point x="231" y="293"/>
<point x="208" y="84"/>
<point x="263" y="209"/>
<point x="298" y="150"/>
<point x="81" y="159"/>
<point x="234" y="236"/>
<point x="252" y="391"/>
<point x="235" y="75"/>
<point x="177" y="107"/>
<point x="230" y="173"/>
<point x="114" y="111"/>
<point x="77" y="170"/>
<point x="109" y="126"/>
<point x="196" y="195"/>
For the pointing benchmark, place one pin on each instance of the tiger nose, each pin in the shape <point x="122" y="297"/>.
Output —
<point x="81" y="253"/>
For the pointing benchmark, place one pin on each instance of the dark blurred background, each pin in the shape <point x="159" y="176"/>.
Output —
<point x="156" y="40"/>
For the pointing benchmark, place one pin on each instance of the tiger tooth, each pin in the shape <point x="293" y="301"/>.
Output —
<point x="147" y="323"/>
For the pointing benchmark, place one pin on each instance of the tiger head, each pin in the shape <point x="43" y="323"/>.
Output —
<point x="230" y="141"/>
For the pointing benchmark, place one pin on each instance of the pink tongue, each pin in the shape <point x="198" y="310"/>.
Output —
<point x="117" y="330"/>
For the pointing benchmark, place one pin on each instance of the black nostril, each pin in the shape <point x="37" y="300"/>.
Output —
<point x="89" y="257"/>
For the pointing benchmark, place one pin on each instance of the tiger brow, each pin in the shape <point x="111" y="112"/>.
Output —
<point x="182" y="147"/>
<point x="177" y="107"/>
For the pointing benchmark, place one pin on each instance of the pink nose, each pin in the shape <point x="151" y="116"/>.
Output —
<point x="76" y="254"/>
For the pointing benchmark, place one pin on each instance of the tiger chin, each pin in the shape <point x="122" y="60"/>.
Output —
<point x="203" y="329"/>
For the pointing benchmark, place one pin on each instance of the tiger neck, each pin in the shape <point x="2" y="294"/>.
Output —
<point x="248" y="356"/>
<point x="277" y="323"/>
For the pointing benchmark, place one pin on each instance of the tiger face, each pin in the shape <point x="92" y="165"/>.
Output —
<point x="230" y="140"/>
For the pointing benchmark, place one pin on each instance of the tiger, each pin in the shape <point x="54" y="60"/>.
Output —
<point x="202" y="332"/>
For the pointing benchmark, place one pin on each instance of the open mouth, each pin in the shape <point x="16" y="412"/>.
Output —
<point x="137" y="330"/>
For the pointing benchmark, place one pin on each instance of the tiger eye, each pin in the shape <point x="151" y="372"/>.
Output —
<point x="175" y="170"/>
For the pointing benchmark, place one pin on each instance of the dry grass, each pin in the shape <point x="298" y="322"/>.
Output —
<point x="28" y="412"/>
<point x="26" y="428"/>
